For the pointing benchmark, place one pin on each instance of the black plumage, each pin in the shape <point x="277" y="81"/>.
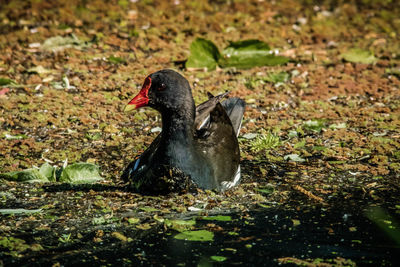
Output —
<point x="197" y="147"/>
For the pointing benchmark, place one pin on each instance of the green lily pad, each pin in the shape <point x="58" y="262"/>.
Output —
<point x="222" y="218"/>
<point x="79" y="173"/>
<point x="242" y="54"/>
<point x="218" y="258"/>
<point x="250" y="53"/>
<point x="203" y="54"/>
<point x="357" y="55"/>
<point x="199" y="235"/>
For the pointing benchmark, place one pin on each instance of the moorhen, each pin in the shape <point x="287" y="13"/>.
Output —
<point x="197" y="147"/>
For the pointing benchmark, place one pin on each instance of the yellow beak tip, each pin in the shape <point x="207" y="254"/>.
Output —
<point x="129" y="108"/>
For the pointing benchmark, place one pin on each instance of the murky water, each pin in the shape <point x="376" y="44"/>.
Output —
<point x="268" y="235"/>
<point x="262" y="237"/>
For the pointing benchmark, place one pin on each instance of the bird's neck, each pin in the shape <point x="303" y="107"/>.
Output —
<point x="178" y="126"/>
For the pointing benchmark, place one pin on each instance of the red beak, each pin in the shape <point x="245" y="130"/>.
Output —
<point x="142" y="98"/>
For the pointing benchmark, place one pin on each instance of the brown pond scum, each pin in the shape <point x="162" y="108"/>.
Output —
<point x="320" y="139"/>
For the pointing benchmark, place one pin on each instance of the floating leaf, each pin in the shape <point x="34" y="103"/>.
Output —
<point x="133" y="220"/>
<point x="264" y="205"/>
<point x="203" y="54"/>
<point x="180" y="225"/>
<point x="293" y="133"/>
<point x="13" y="244"/>
<point x="116" y="60"/>
<point x="18" y="211"/>
<point x="120" y="236"/>
<point x="341" y="125"/>
<point x="160" y="218"/>
<point x="36" y="247"/>
<point x="48" y="171"/>
<point x="250" y="48"/>
<point x="28" y="175"/>
<point x="293" y="157"/>
<point x="314" y="125"/>
<point x="300" y="144"/>
<point x="357" y="55"/>
<point x="81" y="173"/>
<point x="39" y="70"/>
<point x="94" y="136"/>
<point x="59" y="43"/>
<point x="218" y="258"/>
<point x="393" y="71"/>
<point x="319" y="148"/>
<point x="336" y="161"/>
<point x="249" y="53"/>
<point x="199" y="235"/>
<point x="149" y="209"/>
<point x="278" y="77"/>
<point x="144" y="226"/>
<point x="296" y="222"/>
<point x="15" y="137"/>
<point x="266" y="190"/>
<point x="45" y="173"/>
<point x="6" y="81"/>
<point x="98" y="220"/>
<point x="222" y="218"/>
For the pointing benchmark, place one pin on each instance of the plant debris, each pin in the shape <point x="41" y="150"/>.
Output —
<point x="319" y="140"/>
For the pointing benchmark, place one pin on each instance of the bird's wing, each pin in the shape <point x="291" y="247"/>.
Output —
<point x="234" y="107"/>
<point x="142" y="162"/>
<point x="203" y="110"/>
<point x="219" y="145"/>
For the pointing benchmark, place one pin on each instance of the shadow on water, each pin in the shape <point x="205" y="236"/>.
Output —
<point x="347" y="234"/>
<point x="83" y="187"/>
<point x="344" y="232"/>
<point x="265" y="236"/>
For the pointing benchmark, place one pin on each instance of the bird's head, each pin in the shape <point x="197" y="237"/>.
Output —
<point x="164" y="90"/>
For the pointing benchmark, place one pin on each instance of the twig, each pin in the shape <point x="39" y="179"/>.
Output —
<point x="309" y="194"/>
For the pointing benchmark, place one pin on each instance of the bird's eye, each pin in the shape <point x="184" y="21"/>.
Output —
<point x="162" y="87"/>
